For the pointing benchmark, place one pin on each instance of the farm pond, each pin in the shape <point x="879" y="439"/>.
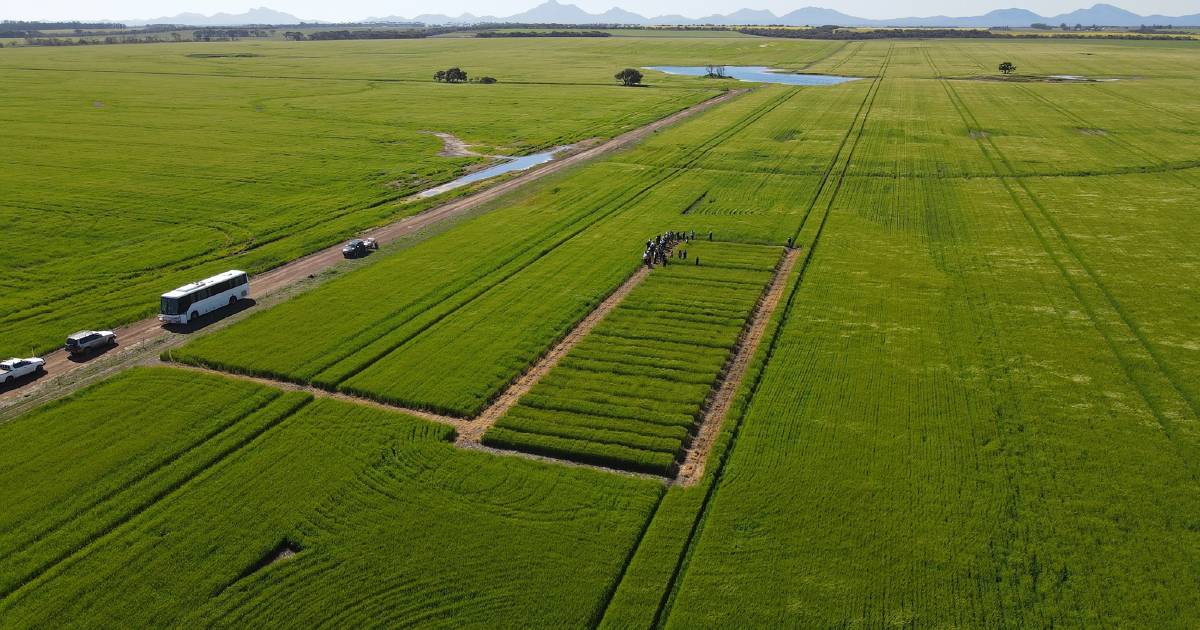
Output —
<point x="759" y="74"/>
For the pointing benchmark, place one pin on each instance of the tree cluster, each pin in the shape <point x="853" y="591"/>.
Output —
<point x="453" y="75"/>
<point x="1006" y="67"/>
<point x="487" y="34"/>
<point x="225" y="34"/>
<point x="837" y="32"/>
<point x="57" y="26"/>
<point x="368" y="34"/>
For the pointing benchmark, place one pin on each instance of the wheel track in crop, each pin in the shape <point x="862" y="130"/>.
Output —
<point x="1109" y="89"/>
<point x="1048" y="233"/>
<point x="849" y="54"/>
<point x="300" y="269"/>
<point x="1159" y="164"/>
<point x="715" y="410"/>
<point x="859" y="121"/>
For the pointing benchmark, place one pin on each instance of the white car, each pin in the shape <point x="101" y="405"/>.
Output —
<point x="13" y="369"/>
<point x="88" y="340"/>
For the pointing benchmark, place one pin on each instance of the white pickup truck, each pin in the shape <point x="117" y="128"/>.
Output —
<point x="13" y="369"/>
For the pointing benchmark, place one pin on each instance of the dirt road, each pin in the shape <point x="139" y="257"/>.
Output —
<point x="59" y="363"/>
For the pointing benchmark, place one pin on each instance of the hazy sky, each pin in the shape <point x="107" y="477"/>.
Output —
<point x="358" y="9"/>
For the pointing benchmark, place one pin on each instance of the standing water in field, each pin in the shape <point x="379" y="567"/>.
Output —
<point x="507" y="166"/>
<point x="760" y="74"/>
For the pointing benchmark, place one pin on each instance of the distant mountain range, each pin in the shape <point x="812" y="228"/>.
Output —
<point x="261" y="15"/>
<point x="553" y="12"/>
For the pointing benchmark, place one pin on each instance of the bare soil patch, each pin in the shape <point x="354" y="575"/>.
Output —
<point x="453" y="146"/>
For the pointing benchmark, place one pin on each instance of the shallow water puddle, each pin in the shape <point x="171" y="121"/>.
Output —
<point x="758" y="74"/>
<point x="507" y="166"/>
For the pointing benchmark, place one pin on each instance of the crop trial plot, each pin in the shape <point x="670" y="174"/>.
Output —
<point x="628" y="395"/>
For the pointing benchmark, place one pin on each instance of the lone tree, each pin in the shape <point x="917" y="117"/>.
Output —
<point x="629" y="76"/>
<point x="1007" y="67"/>
<point x="715" y="72"/>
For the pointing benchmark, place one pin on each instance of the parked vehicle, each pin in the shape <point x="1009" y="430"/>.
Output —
<point x="88" y="340"/>
<point x="190" y="301"/>
<point x="356" y="248"/>
<point x="14" y="368"/>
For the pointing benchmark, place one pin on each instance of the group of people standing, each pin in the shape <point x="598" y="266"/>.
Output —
<point x="658" y="249"/>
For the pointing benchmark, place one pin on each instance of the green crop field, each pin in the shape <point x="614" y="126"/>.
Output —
<point x="390" y="523"/>
<point x="627" y="395"/>
<point x="241" y="162"/>
<point x="976" y="404"/>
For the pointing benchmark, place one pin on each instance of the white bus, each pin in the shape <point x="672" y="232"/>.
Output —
<point x="193" y="300"/>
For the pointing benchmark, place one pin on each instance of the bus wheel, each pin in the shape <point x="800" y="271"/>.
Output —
<point x="193" y="317"/>
<point x="232" y="300"/>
